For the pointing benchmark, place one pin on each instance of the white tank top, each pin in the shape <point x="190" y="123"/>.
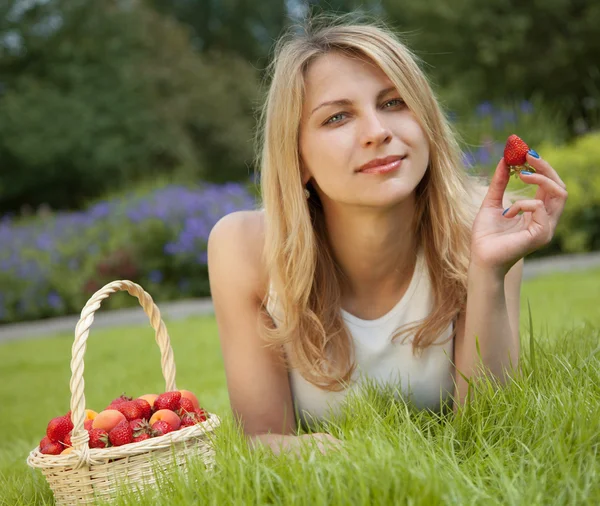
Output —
<point x="425" y="380"/>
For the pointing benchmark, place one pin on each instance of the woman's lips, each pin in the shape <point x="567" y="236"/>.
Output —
<point x="383" y="169"/>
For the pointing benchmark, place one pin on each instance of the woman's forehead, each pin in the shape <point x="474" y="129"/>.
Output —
<point x="331" y="75"/>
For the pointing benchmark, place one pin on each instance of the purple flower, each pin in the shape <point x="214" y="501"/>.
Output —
<point x="484" y="109"/>
<point x="155" y="276"/>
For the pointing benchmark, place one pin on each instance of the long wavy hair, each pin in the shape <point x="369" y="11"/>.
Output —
<point x="299" y="262"/>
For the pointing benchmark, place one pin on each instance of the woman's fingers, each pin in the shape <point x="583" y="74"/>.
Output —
<point x="543" y="167"/>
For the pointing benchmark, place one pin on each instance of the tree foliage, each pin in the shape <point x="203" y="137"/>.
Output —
<point x="112" y="93"/>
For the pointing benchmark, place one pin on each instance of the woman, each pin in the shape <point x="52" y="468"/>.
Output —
<point x="371" y="230"/>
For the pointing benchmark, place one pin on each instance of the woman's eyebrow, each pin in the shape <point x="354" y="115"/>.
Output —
<point x="345" y="101"/>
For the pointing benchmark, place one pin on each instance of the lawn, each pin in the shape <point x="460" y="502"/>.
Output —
<point x="533" y="442"/>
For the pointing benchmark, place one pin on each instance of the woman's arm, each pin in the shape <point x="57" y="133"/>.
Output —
<point x="492" y="314"/>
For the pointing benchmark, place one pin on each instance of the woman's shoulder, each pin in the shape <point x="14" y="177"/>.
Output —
<point x="242" y="235"/>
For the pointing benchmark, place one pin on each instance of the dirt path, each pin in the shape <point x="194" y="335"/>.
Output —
<point x="179" y="310"/>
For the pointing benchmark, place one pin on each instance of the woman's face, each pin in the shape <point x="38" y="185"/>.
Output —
<point x="352" y="115"/>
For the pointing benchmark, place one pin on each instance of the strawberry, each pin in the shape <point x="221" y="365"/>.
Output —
<point x="186" y="406"/>
<point x="161" y="428"/>
<point x="131" y="410"/>
<point x="146" y="408"/>
<point x="196" y="416"/>
<point x="168" y="400"/>
<point x="52" y="448"/>
<point x="515" y="154"/>
<point x="515" y="151"/>
<point x="67" y="440"/>
<point x="141" y="437"/>
<point x="120" y="399"/>
<point x="121" y="435"/>
<point x="87" y="424"/>
<point x="188" y="419"/>
<point x="98" y="438"/>
<point x="45" y="441"/>
<point x="58" y="428"/>
<point x="201" y="414"/>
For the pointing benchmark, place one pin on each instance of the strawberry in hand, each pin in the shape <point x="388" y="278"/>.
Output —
<point x="500" y="239"/>
<point x="515" y="155"/>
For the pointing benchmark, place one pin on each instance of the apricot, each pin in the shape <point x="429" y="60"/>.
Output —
<point x="67" y="450"/>
<point x="149" y="398"/>
<point x="108" y="419"/>
<point x="90" y="414"/>
<point x="189" y="395"/>
<point x="168" y="416"/>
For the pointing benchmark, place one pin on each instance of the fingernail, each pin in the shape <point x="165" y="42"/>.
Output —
<point x="526" y="172"/>
<point x="505" y="211"/>
<point x="533" y="153"/>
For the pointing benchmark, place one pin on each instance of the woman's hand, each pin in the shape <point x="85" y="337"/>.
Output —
<point x="501" y="240"/>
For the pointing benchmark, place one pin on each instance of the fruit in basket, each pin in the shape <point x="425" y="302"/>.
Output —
<point x="160" y="428"/>
<point x="121" y="434"/>
<point x="168" y="400"/>
<point x="98" y="438"/>
<point x="145" y="407"/>
<point x="50" y="447"/>
<point x="168" y="416"/>
<point x="59" y="427"/>
<point x="108" y="419"/>
<point x="149" y="398"/>
<point x="186" y="406"/>
<point x="67" y="450"/>
<point x="90" y="414"/>
<point x="131" y="409"/>
<point x="121" y="399"/>
<point x="186" y="394"/>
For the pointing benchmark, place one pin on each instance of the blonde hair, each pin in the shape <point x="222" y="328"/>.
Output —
<point x="298" y="260"/>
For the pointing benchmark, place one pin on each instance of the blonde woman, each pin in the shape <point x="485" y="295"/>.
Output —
<point x="375" y="255"/>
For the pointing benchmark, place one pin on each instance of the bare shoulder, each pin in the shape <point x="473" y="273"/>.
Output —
<point x="237" y="241"/>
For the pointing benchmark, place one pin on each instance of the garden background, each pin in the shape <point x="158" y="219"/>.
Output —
<point x="126" y="127"/>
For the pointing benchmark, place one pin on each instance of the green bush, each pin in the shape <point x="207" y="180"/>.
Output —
<point x="112" y="96"/>
<point x="578" y="165"/>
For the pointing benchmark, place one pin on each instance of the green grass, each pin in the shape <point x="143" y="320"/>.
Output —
<point x="535" y="441"/>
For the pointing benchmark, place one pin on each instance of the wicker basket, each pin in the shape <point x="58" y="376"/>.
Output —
<point x="87" y="474"/>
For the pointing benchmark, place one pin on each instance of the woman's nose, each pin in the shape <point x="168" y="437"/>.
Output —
<point x="374" y="131"/>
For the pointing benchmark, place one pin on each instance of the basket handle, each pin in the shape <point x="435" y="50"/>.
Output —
<point x="80" y="436"/>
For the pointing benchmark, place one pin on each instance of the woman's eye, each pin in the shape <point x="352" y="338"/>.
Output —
<point x="395" y="102"/>
<point x="330" y="120"/>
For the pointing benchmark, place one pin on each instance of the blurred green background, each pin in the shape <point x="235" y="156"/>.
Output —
<point x="126" y="127"/>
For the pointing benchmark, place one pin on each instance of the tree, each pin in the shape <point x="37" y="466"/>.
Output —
<point x="110" y="93"/>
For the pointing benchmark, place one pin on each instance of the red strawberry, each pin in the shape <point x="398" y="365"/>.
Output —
<point x="45" y="441"/>
<point x="120" y="399"/>
<point x="168" y="400"/>
<point x="58" y="428"/>
<point x="131" y="410"/>
<point x="98" y="438"/>
<point x="121" y="435"/>
<point x="141" y="437"/>
<point x="161" y="427"/>
<point x="515" y="151"/>
<point x="67" y="440"/>
<point x="201" y="413"/>
<point x="186" y="406"/>
<point x="52" y="448"/>
<point x="87" y="424"/>
<point x="146" y="408"/>
<point x="188" y="420"/>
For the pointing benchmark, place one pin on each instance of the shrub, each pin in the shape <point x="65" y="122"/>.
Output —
<point x="578" y="165"/>
<point x="48" y="266"/>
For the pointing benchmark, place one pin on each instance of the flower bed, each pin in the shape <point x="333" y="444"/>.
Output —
<point x="48" y="265"/>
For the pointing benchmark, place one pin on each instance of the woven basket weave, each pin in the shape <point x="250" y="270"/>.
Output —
<point x="87" y="474"/>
